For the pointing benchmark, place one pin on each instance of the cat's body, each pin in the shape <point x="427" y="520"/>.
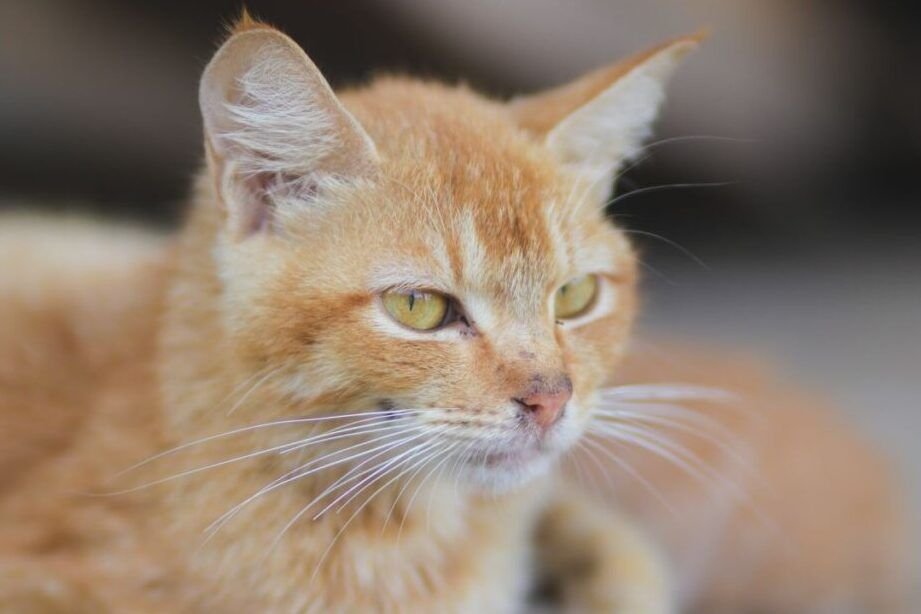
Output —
<point x="81" y="351"/>
<point x="113" y="351"/>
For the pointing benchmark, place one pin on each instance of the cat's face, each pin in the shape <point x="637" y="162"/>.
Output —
<point x="429" y="255"/>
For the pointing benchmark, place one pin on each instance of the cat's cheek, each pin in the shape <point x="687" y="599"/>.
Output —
<point x="595" y="349"/>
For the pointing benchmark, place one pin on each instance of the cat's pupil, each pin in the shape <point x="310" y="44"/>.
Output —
<point x="412" y="300"/>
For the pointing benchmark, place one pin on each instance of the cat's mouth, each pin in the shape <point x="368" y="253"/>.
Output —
<point x="512" y="456"/>
<point x="503" y="470"/>
<point x="509" y="458"/>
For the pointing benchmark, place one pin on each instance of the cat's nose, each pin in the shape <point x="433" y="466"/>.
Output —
<point x="545" y="406"/>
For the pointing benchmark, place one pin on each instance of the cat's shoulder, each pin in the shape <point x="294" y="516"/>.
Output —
<point x="75" y="283"/>
<point x="35" y="247"/>
<point x="78" y="299"/>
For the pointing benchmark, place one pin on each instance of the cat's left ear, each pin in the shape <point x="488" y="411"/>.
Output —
<point x="599" y="121"/>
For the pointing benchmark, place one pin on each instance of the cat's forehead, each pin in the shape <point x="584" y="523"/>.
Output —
<point x="494" y="211"/>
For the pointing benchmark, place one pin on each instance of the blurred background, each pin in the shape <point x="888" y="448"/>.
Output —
<point x="809" y="112"/>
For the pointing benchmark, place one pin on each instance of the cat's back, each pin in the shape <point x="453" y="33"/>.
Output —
<point x="78" y="305"/>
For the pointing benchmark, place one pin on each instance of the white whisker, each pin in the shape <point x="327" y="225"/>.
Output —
<point x="419" y="486"/>
<point x="372" y="477"/>
<point x="355" y="473"/>
<point x="406" y="484"/>
<point x="643" y="233"/>
<point x="655" y="492"/>
<point x="283" y="422"/>
<point x="302" y="471"/>
<point x="580" y="472"/>
<point x="438" y="470"/>
<point x="348" y="431"/>
<point x="580" y="445"/>
<point x="675" y="453"/>
<point x="273" y="449"/>
<point x="252" y="389"/>
<point x="348" y="522"/>
<point x="670" y="186"/>
<point x="667" y="392"/>
<point x="725" y="444"/>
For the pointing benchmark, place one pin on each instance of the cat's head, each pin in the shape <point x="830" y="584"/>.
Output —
<point x="422" y="252"/>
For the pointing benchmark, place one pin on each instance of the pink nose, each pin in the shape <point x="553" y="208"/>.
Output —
<point x="544" y="407"/>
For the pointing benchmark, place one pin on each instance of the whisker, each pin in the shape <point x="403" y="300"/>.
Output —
<point x="303" y="471"/>
<point x="262" y="380"/>
<point x="418" y="489"/>
<point x="462" y="458"/>
<point x="670" y="186"/>
<point x="355" y="473"/>
<point x="631" y="470"/>
<point x="665" y="410"/>
<point x="399" y="494"/>
<point x="643" y="233"/>
<point x="645" y="152"/>
<point x="350" y="476"/>
<point x="438" y="470"/>
<point x="679" y="455"/>
<point x="376" y="473"/>
<point x="242" y="385"/>
<point x="371" y="477"/>
<point x="614" y="174"/>
<point x="682" y="458"/>
<point x="725" y="445"/>
<point x="245" y="429"/>
<point x="443" y="453"/>
<point x="580" y="471"/>
<point x="345" y="526"/>
<point x="273" y="449"/>
<point x="580" y="445"/>
<point x="422" y="482"/>
<point x="345" y="432"/>
<point x="667" y="392"/>
<point x="403" y="489"/>
<point x="298" y="516"/>
<point x="436" y="441"/>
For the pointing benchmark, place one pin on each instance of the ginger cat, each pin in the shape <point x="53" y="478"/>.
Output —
<point x="349" y="382"/>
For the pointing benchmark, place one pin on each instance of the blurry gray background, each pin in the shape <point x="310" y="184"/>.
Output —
<point x="812" y="254"/>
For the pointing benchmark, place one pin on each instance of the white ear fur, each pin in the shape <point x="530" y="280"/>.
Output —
<point x="611" y="128"/>
<point x="596" y="123"/>
<point x="275" y="132"/>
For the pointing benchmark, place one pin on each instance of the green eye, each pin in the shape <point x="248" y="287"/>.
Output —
<point x="575" y="297"/>
<point x="416" y="309"/>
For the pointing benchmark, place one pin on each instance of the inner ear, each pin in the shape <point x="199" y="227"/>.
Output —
<point x="265" y="192"/>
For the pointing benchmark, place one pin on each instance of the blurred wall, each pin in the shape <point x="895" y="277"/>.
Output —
<point x="97" y="99"/>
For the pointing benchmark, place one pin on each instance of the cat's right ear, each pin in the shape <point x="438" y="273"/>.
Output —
<point x="275" y="134"/>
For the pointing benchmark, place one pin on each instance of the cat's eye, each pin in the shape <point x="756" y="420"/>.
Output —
<point x="417" y="309"/>
<point x="575" y="297"/>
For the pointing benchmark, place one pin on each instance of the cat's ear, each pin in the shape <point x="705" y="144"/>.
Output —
<point x="275" y="133"/>
<point x="599" y="121"/>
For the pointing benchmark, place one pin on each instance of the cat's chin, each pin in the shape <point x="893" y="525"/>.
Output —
<point x="504" y="472"/>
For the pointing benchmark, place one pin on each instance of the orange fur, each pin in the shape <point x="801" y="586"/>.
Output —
<point x="114" y="349"/>
<point x="817" y="524"/>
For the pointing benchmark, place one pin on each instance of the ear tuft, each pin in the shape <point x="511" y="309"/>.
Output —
<point x="246" y="22"/>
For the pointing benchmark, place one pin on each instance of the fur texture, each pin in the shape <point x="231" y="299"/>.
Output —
<point x="227" y="420"/>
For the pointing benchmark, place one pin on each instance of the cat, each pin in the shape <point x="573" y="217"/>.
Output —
<point x="351" y="381"/>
